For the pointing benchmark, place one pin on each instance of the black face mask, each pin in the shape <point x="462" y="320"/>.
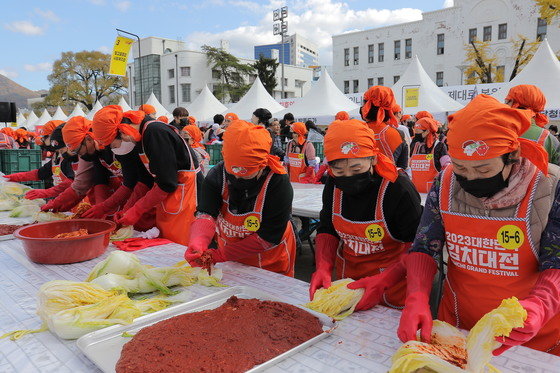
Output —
<point x="483" y="188"/>
<point x="242" y="184"/>
<point x="418" y="137"/>
<point x="354" y="184"/>
<point x="183" y="122"/>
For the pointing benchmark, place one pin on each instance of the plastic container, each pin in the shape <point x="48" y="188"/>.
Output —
<point x="40" y="247"/>
<point x="215" y="152"/>
<point x="319" y="149"/>
<point x="20" y="160"/>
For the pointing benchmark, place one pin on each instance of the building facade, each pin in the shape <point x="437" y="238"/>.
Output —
<point x="380" y="56"/>
<point x="177" y="75"/>
<point x="297" y="51"/>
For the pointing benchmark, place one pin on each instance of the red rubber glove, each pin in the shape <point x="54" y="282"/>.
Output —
<point x="32" y="175"/>
<point x="49" y="193"/>
<point x="134" y="244"/>
<point x="375" y="286"/>
<point x="322" y="169"/>
<point x="110" y="205"/>
<point x="325" y="256"/>
<point x="203" y="230"/>
<point x="151" y="199"/>
<point x="139" y="191"/>
<point x="64" y="202"/>
<point x="421" y="269"/>
<point x="542" y="304"/>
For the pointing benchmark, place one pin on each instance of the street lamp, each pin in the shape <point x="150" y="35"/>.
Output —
<point x="462" y="68"/>
<point x="281" y="28"/>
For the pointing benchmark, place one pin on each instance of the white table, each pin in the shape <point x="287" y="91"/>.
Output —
<point x="364" y="342"/>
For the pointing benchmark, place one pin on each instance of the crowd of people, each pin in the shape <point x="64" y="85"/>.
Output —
<point x="489" y="175"/>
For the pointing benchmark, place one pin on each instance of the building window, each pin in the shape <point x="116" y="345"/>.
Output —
<point x="541" y="29"/>
<point x="396" y="78"/>
<point x="397" y="49"/>
<point x="356" y="55"/>
<point x="285" y="82"/>
<point x="502" y="31"/>
<point x="439" y="78"/>
<point x="185" y="92"/>
<point x="346" y="86"/>
<point x="487" y="33"/>
<point x="171" y="73"/>
<point x="440" y="43"/>
<point x="380" y="81"/>
<point x="370" y="82"/>
<point x="171" y="94"/>
<point x="346" y="56"/>
<point x="380" y="52"/>
<point x="216" y="74"/>
<point x="370" y="53"/>
<point x="185" y="71"/>
<point x="500" y="74"/>
<point x="472" y="35"/>
<point x="408" y="48"/>
<point x="356" y="86"/>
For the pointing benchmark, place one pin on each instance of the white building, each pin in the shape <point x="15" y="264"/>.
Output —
<point x="177" y="75"/>
<point x="379" y="56"/>
<point x="297" y="51"/>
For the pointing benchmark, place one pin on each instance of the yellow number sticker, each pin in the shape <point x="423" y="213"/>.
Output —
<point x="301" y="155"/>
<point x="511" y="237"/>
<point x="252" y="223"/>
<point x="429" y="156"/>
<point x="374" y="232"/>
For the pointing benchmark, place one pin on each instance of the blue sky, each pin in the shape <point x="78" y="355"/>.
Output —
<point x="34" y="33"/>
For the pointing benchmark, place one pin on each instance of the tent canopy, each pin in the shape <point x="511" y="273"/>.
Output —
<point x="96" y="107"/>
<point x="160" y="109"/>
<point x="31" y="120"/>
<point x="123" y="104"/>
<point x="43" y="119"/>
<point x="205" y="106"/>
<point x="59" y="114"/>
<point x="256" y="97"/>
<point x="77" y="112"/>
<point x="20" y="120"/>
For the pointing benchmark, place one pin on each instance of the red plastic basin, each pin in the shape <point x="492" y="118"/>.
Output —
<point x="40" y="247"/>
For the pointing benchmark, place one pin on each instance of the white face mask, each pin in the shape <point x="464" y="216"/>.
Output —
<point x="125" y="148"/>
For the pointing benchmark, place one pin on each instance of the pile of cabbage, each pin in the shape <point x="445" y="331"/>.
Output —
<point x="12" y="199"/>
<point x="336" y="301"/>
<point x="115" y="292"/>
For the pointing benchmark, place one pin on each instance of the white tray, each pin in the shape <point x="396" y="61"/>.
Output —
<point x="104" y="346"/>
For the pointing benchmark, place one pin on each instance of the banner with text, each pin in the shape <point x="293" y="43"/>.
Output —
<point x="119" y="57"/>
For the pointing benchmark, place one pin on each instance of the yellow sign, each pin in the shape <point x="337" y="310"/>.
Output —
<point x="429" y="156"/>
<point x="411" y="97"/>
<point x="252" y="223"/>
<point x="119" y="57"/>
<point x="511" y="237"/>
<point x="374" y="232"/>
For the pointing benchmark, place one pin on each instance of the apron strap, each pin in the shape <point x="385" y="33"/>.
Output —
<point x="379" y="215"/>
<point x="524" y="208"/>
<point x="445" y="189"/>
<point x="337" y="201"/>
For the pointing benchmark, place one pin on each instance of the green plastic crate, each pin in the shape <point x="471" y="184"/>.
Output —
<point x="19" y="160"/>
<point x="35" y="184"/>
<point x="319" y="149"/>
<point x="215" y="152"/>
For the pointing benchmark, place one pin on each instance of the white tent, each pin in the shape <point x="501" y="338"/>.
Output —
<point x="59" y="114"/>
<point x="542" y="71"/>
<point x="415" y="91"/>
<point x="321" y="103"/>
<point x="160" y="109"/>
<point x="31" y="121"/>
<point x="205" y="106"/>
<point x="43" y="119"/>
<point x="256" y="97"/>
<point x="20" y="120"/>
<point x="96" y="107"/>
<point x="77" y="112"/>
<point x="123" y="104"/>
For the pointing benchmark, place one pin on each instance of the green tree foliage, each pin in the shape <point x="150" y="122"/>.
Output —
<point x="266" y="69"/>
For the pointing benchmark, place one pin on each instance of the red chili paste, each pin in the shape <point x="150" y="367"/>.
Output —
<point x="6" y="229"/>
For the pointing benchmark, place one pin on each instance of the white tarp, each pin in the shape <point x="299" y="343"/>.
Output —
<point x="59" y="114"/>
<point x="256" y="97"/>
<point x="77" y="112"/>
<point x="123" y="104"/>
<point x="44" y="118"/>
<point x="96" y="107"/>
<point x="205" y="106"/>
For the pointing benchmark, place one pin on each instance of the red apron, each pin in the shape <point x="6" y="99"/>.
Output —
<point x="57" y="175"/>
<point x="5" y="142"/>
<point x="490" y="259"/>
<point x="297" y="166"/>
<point x="423" y="168"/>
<point x="368" y="247"/>
<point x="235" y="227"/>
<point x="176" y="213"/>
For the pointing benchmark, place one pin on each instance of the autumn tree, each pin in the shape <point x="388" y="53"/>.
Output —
<point x="266" y="70"/>
<point x="525" y="51"/>
<point x="82" y="77"/>
<point x="481" y="62"/>
<point x="232" y="73"/>
<point x="548" y="9"/>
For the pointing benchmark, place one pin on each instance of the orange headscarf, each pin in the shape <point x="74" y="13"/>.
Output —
<point x="163" y="119"/>
<point x="107" y="123"/>
<point x="430" y="125"/>
<point x="301" y="130"/>
<point x="196" y="134"/>
<point x="192" y="120"/>
<point x="397" y="108"/>
<point x="351" y="139"/>
<point x="246" y="149"/>
<point x="382" y="97"/>
<point x="49" y="127"/>
<point x="75" y="131"/>
<point x="424" y="114"/>
<point x="8" y="131"/>
<point x="405" y="118"/>
<point x="531" y="98"/>
<point x="486" y="129"/>
<point x="231" y="116"/>
<point x="342" y="115"/>
<point x="148" y="109"/>
<point x="135" y="116"/>
<point x="20" y="135"/>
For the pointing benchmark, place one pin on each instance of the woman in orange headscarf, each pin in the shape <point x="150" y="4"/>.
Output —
<point x="378" y="112"/>
<point x="300" y="155"/>
<point x="248" y="201"/>
<point x="342" y="115"/>
<point x="370" y="212"/>
<point x="193" y="135"/>
<point x="22" y="138"/>
<point x="483" y="209"/>
<point x="428" y="155"/>
<point x="530" y="98"/>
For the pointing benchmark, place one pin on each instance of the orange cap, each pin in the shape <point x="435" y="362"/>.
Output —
<point x="397" y="108"/>
<point x="486" y="129"/>
<point x="351" y="139"/>
<point x="231" y="116"/>
<point x="163" y="119"/>
<point x="196" y="134"/>
<point x="246" y="149"/>
<point x="49" y="127"/>
<point x="148" y="109"/>
<point x="192" y="120"/>
<point x="405" y="118"/>
<point x="382" y="97"/>
<point x="342" y="115"/>
<point x="75" y="131"/>
<point x="107" y="123"/>
<point x="424" y="114"/>
<point x="301" y="130"/>
<point x="430" y="125"/>
<point x="531" y="98"/>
